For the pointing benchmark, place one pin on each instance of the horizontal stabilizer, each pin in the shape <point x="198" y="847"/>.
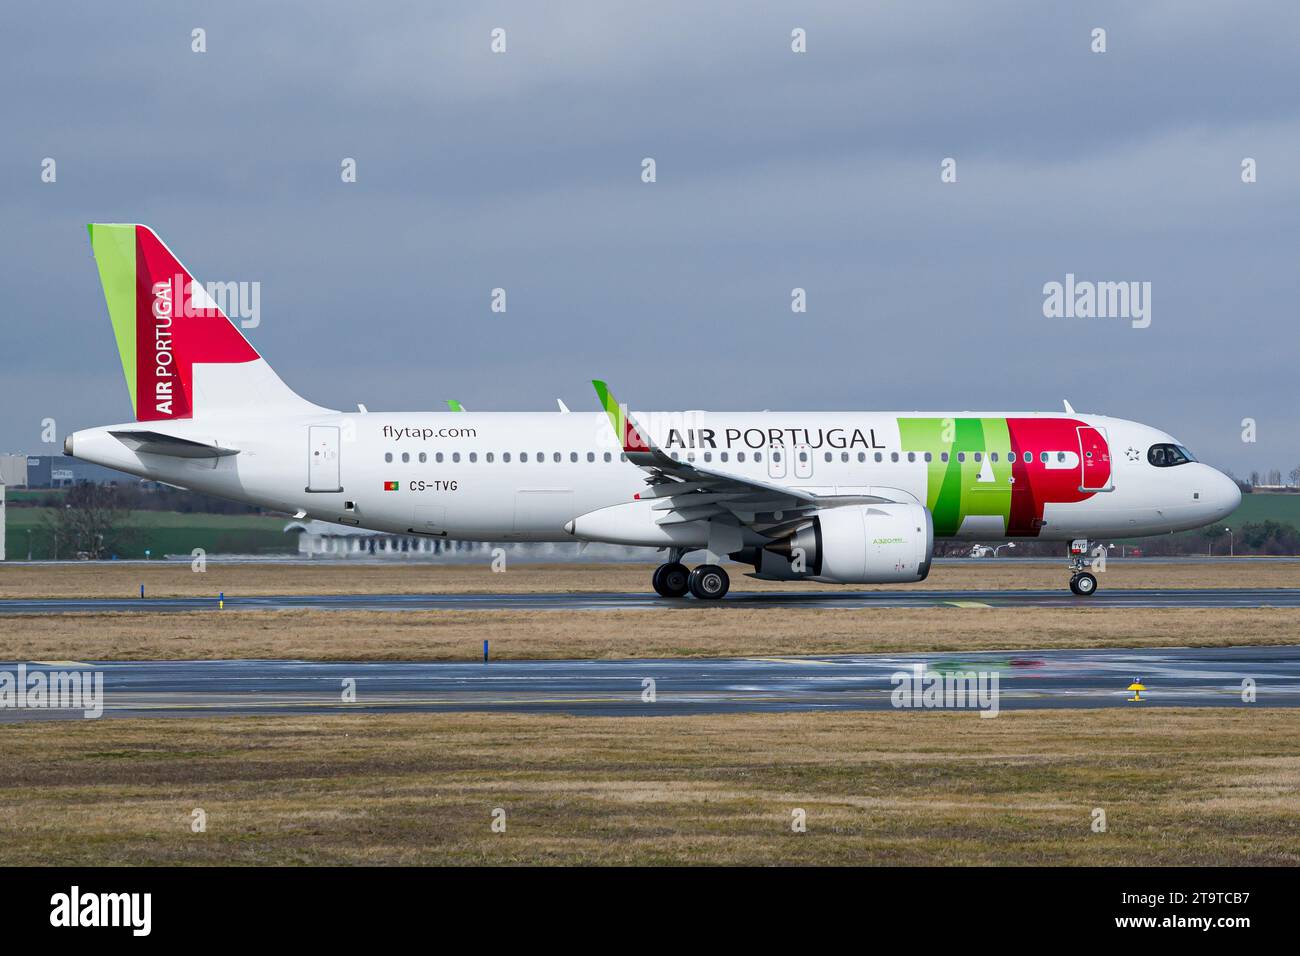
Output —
<point x="156" y="443"/>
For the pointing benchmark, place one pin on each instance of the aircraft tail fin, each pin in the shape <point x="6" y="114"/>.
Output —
<point x="181" y="354"/>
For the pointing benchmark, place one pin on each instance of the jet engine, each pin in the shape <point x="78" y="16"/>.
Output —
<point x="856" y="544"/>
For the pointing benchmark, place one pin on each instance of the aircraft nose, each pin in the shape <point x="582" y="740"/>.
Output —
<point x="1224" y="495"/>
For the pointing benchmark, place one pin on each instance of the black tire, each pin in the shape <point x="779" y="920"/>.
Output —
<point x="709" y="582"/>
<point x="672" y="580"/>
<point x="1084" y="584"/>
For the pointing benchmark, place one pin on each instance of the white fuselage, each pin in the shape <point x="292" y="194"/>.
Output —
<point x="499" y="476"/>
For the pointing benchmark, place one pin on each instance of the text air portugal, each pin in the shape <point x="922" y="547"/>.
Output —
<point x="172" y="336"/>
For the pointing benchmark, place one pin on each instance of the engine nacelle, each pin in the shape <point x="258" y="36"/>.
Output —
<point x="858" y="544"/>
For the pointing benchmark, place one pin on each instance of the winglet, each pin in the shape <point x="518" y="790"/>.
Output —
<point x="1069" y="409"/>
<point x="624" y="428"/>
<point x="454" y="405"/>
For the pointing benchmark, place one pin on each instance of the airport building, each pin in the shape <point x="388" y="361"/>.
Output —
<point x="13" y="471"/>
<point x="60" y="471"/>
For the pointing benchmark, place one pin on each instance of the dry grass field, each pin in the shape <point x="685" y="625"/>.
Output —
<point x="175" y="579"/>
<point x="691" y="631"/>
<point x="1178" y="787"/>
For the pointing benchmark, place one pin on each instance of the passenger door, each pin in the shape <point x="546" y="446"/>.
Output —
<point x="776" y="461"/>
<point x="803" y="461"/>
<point x="323" y="458"/>
<point x="1094" y="456"/>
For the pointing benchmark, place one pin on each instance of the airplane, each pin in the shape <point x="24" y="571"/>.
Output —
<point x="838" y="497"/>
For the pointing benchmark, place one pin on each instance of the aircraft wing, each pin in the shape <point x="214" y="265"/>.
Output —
<point x="687" y="491"/>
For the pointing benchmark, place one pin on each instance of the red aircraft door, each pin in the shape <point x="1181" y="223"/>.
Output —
<point x="1094" y="460"/>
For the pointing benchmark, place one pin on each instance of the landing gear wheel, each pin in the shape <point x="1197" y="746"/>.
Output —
<point x="709" y="582"/>
<point x="672" y="580"/>
<point x="1083" y="584"/>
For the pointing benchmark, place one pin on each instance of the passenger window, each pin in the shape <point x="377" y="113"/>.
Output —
<point x="911" y="456"/>
<point x="523" y="456"/>
<point x="879" y="457"/>
<point x="556" y="456"/>
<point x="541" y="457"/>
<point x="473" y="456"/>
<point x="829" y="457"/>
<point x="740" y="456"/>
<point x="943" y="456"/>
<point x="591" y="456"/>
<point x="406" y="456"/>
<point x="1029" y="456"/>
<point x="489" y="458"/>
<point x="438" y="457"/>
<point x="844" y="456"/>
<point x="893" y="456"/>
<point x="758" y="456"/>
<point x="776" y="456"/>
<point x="607" y="457"/>
<point x="388" y="456"/>
<point x="1042" y="456"/>
<point x="505" y="456"/>
<point x="928" y="456"/>
<point x="622" y="456"/>
<point x="978" y="456"/>
<point x="455" y="456"/>
<point x="423" y="458"/>
<point x="573" y="456"/>
<point x="961" y="456"/>
<point x="862" y="456"/>
<point x="993" y="456"/>
<point x="722" y="456"/>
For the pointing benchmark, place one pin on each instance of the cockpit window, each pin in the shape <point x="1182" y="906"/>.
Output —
<point x="1166" y="456"/>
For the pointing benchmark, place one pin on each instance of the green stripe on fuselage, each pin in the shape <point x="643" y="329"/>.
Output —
<point x="953" y="487"/>
<point x="114" y="249"/>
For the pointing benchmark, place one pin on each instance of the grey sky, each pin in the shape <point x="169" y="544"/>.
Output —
<point x="775" y="170"/>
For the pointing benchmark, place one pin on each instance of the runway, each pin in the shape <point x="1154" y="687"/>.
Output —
<point x="1197" y="677"/>
<point x="604" y="601"/>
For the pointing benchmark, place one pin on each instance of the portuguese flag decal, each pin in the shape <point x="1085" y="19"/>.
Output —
<point x="390" y="485"/>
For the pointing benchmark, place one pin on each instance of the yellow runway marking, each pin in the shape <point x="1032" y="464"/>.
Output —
<point x="62" y="664"/>
<point x="789" y="660"/>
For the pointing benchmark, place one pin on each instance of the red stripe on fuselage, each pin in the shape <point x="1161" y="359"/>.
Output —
<point x="1035" y="484"/>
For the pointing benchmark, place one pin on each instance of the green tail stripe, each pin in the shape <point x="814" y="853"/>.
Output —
<point x="454" y="405"/>
<point x="114" y="249"/>
<point x="610" y="404"/>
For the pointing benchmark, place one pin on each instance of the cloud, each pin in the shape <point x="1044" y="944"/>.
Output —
<point x="776" y="170"/>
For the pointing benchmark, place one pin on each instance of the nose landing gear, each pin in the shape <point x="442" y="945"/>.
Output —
<point x="1083" y="584"/>
<point x="1082" y="581"/>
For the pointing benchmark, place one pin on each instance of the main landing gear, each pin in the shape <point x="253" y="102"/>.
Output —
<point x="1082" y="581"/>
<point x="708" y="582"/>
